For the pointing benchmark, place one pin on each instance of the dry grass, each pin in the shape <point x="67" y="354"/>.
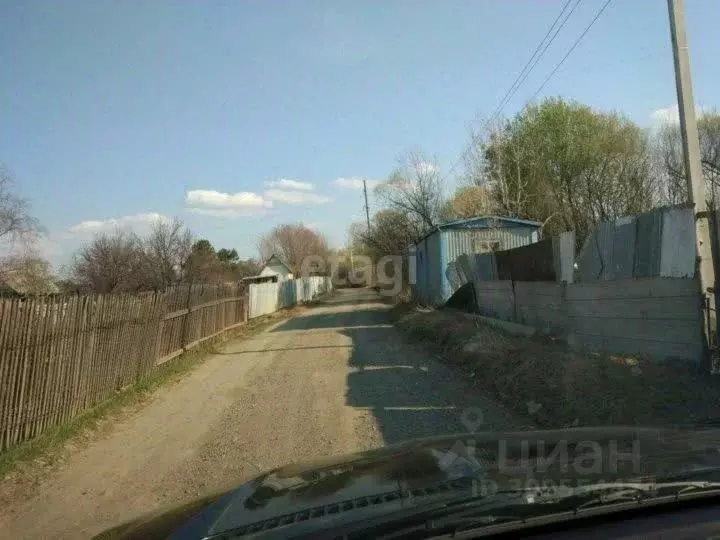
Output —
<point x="572" y="388"/>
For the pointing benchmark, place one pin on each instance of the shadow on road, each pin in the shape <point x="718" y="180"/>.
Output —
<point x="408" y="392"/>
<point x="410" y="395"/>
<point x="339" y="319"/>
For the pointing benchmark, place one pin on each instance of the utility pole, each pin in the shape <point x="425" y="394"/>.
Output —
<point x="367" y="208"/>
<point x="693" y="167"/>
<point x="350" y="248"/>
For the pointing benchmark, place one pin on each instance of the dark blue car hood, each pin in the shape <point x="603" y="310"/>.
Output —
<point x="309" y="498"/>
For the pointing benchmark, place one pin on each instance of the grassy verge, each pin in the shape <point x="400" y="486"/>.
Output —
<point x="559" y="387"/>
<point x="46" y="448"/>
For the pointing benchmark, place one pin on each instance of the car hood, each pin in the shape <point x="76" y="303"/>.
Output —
<point x="303" y="498"/>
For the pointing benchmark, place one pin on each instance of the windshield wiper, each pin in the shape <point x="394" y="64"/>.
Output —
<point x="527" y="507"/>
<point x="610" y="493"/>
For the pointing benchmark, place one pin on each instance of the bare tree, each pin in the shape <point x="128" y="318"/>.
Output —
<point x="671" y="167"/>
<point x="356" y="234"/>
<point x="112" y="263"/>
<point x="293" y="243"/>
<point x="168" y="248"/>
<point x="123" y="261"/>
<point x="15" y="219"/>
<point x="668" y="158"/>
<point x="415" y="190"/>
<point x="391" y="233"/>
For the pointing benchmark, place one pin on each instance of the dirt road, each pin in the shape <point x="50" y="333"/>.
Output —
<point x="336" y="379"/>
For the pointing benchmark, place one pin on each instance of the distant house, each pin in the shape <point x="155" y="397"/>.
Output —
<point x="273" y="271"/>
<point x="275" y="267"/>
<point x="437" y="251"/>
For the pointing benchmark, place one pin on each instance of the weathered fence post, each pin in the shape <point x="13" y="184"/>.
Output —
<point x="186" y="319"/>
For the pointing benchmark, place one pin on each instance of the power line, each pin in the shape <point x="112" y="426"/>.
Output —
<point x="525" y="72"/>
<point x="522" y="76"/>
<point x="572" y="48"/>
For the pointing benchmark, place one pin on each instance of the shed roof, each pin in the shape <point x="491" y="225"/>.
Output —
<point x="258" y="277"/>
<point x="484" y="222"/>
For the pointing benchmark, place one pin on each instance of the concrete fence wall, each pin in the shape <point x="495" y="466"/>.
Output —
<point x="655" y="317"/>
<point x="495" y="299"/>
<point x="658" y="317"/>
<point x="265" y="298"/>
<point x="541" y="304"/>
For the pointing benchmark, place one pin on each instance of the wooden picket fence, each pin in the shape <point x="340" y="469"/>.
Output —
<point x="64" y="354"/>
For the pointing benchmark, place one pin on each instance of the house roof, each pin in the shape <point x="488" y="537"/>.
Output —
<point x="277" y="260"/>
<point x="483" y="222"/>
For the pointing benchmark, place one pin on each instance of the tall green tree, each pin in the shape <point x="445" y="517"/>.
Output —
<point x="202" y="264"/>
<point x="563" y="164"/>
<point x="228" y="255"/>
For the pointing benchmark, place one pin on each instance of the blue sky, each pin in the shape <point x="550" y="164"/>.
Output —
<point x="115" y="113"/>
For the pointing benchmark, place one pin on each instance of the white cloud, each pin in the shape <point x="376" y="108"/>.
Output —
<point x="285" y="183"/>
<point x="58" y="246"/>
<point x="242" y="199"/>
<point x="125" y="222"/>
<point x="295" y="197"/>
<point x="355" y="183"/>
<point x="229" y="213"/>
<point x="671" y="114"/>
<point x="247" y="203"/>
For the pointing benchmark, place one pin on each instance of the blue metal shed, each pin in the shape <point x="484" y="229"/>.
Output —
<point x="437" y="251"/>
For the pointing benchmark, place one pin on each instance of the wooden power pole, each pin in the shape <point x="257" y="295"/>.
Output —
<point x="367" y="208"/>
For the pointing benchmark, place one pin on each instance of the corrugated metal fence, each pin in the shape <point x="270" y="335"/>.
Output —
<point x="269" y="297"/>
<point x="659" y="243"/>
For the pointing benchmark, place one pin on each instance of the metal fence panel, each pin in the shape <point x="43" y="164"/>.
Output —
<point x="659" y="243"/>
<point x="263" y="299"/>
<point x="623" y="247"/>
<point x="647" y="245"/>
<point x="678" y="243"/>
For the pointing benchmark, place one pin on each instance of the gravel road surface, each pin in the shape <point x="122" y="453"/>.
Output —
<point x="336" y="379"/>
